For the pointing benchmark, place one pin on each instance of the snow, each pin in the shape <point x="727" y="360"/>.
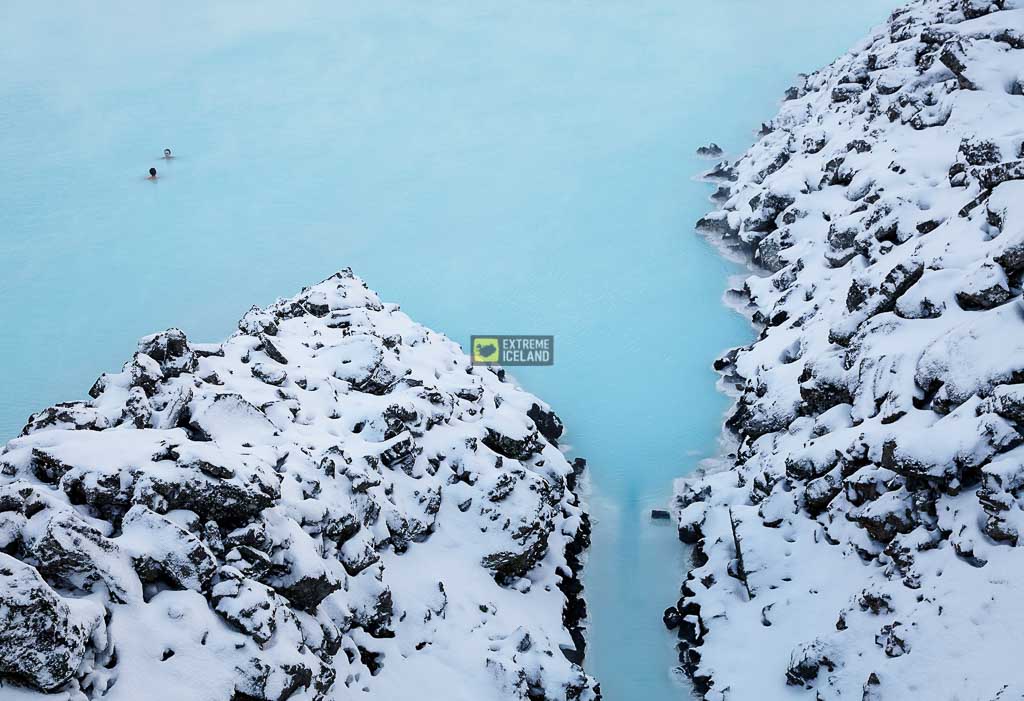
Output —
<point x="864" y="541"/>
<point x="332" y="501"/>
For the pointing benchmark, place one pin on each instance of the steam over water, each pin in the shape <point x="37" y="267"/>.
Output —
<point x="496" y="167"/>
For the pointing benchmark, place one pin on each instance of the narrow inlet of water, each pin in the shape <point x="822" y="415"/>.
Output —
<point x="497" y="167"/>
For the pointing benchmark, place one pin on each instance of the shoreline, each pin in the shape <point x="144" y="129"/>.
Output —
<point x="331" y="498"/>
<point x="875" y="414"/>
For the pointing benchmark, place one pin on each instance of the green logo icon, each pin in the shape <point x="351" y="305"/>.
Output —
<point x="485" y="350"/>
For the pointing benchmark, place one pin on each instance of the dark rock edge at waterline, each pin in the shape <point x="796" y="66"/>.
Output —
<point x="891" y="464"/>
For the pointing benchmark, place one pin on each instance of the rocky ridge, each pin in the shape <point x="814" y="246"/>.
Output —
<point x="331" y="504"/>
<point x="864" y="539"/>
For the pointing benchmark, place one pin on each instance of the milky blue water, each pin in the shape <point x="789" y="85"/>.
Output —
<point x="496" y="167"/>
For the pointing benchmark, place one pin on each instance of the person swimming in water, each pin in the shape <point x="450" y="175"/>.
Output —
<point x="167" y="154"/>
<point x="152" y="174"/>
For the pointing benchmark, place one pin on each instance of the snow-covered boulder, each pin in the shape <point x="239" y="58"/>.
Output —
<point x="45" y="637"/>
<point x="333" y="503"/>
<point x="865" y="542"/>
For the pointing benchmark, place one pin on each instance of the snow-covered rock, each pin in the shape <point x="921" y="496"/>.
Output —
<point x="864" y="542"/>
<point x="45" y="637"/>
<point x="331" y="504"/>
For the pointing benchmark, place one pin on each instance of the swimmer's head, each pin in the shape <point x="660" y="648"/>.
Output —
<point x="152" y="172"/>
<point x="167" y="152"/>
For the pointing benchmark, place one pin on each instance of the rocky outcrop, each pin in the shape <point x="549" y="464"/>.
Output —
<point x="331" y="503"/>
<point x="863" y="539"/>
<point x="711" y="150"/>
